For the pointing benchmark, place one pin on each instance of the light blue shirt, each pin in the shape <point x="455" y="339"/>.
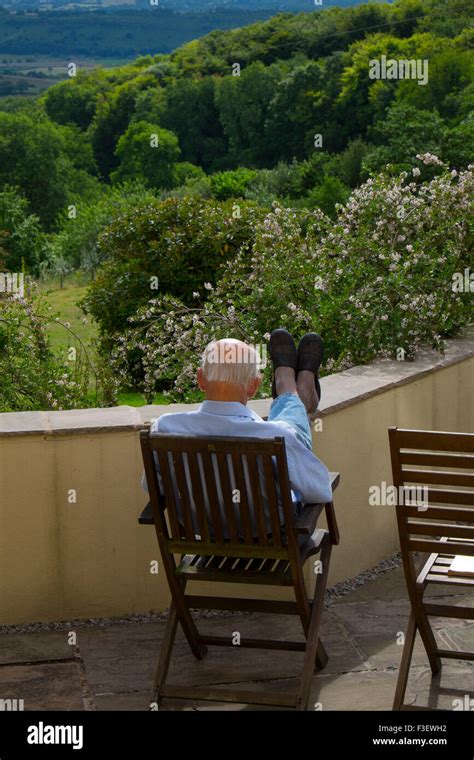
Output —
<point x="309" y="477"/>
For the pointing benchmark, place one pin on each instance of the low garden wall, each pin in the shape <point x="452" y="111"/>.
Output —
<point x="70" y="545"/>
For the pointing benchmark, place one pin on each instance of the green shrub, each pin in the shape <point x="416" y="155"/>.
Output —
<point x="76" y="241"/>
<point x="231" y="184"/>
<point x="172" y="246"/>
<point x="327" y="195"/>
<point x="185" y="173"/>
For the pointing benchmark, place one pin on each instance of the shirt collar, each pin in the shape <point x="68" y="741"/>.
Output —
<point x="227" y="409"/>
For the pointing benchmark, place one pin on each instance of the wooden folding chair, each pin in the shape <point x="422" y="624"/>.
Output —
<point x="438" y="519"/>
<point x="228" y="542"/>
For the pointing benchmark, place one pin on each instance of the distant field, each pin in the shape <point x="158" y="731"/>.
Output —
<point x="31" y="75"/>
<point x="121" y="34"/>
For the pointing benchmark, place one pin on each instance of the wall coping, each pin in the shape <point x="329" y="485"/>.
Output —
<point x="338" y="391"/>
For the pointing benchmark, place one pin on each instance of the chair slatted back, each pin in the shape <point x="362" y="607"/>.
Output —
<point x="434" y="474"/>
<point x="223" y="495"/>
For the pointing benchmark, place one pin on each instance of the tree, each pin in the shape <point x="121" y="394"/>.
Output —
<point x="192" y="115"/>
<point x="243" y="103"/>
<point x="150" y="105"/>
<point x="458" y="145"/>
<point x="60" y="268"/>
<point x="403" y="134"/>
<point x="348" y="164"/>
<point x="147" y="153"/>
<point x="113" y="115"/>
<point x="23" y="244"/>
<point x="73" y="101"/>
<point x="294" y="113"/>
<point x="35" y="156"/>
<point x="451" y="71"/>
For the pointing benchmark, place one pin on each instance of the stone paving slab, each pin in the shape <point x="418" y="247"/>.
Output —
<point x="385" y="653"/>
<point x="52" y="686"/>
<point x="454" y="682"/>
<point x="113" y="665"/>
<point x="35" y="647"/>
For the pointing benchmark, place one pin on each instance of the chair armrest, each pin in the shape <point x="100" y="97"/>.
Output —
<point x="146" y="517"/>
<point x="335" y="478"/>
<point x="332" y="523"/>
<point x="330" y="513"/>
<point x="308" y="518"/>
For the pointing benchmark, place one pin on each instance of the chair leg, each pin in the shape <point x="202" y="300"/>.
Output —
<point x="321" y="657"/>
<point x="312" y="649"/>
<point x="427" y="636"/>
<point x="405" y="663"/>
<point x="185" y="618"/>
<point x="165" y="656"/>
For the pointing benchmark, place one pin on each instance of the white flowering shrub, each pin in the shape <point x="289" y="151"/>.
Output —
<point x="376" y="281"/>
<point x="33" y="375"/>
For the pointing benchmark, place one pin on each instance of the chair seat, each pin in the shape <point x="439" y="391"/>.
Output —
<point x="436" y="570"/>
<point x="247" y="570"/>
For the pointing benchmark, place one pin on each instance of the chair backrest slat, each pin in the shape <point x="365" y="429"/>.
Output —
<point x="284" y="481"/>
<point x="423" y="528"/>
<point x="445" y="496"/>
<point x="442" y="459"/>
<point x="169" y="494"/>
<point x="213" y="499"/>
<point x="228" y="496"/>
<point x="431" y="524"/>
<point x="257" y="500"/>
<point x="182" y="484"/>
<point x="451" y="514"/>
<point x="439" y="478"/>
<point x="269" y="474"/>
<point x="431" y="440"/>
<point x="198" y="496"/>
<point x="157" y="500"/>
<point x="242" y="489"/>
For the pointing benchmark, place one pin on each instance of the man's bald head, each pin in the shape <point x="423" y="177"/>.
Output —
<point x="230" y="361"/>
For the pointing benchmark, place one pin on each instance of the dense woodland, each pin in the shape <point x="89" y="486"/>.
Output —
<point x="135" y="171"/>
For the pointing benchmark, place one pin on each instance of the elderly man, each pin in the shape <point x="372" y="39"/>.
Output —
<point x="229" y="376"/>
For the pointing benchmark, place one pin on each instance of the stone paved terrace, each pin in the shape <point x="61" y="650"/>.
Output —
<point x="112" y="666"/>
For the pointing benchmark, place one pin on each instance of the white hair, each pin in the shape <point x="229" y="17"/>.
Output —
<point x="230" y="361"/>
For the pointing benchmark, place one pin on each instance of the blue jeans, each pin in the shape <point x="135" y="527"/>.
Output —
<point x="289" y="408"/>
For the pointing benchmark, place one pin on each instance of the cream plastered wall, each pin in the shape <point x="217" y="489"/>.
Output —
<point x="70" y="545"/>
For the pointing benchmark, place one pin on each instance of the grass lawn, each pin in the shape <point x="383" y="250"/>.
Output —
<point x="132" y="398"/>
<point x="63" y="302"/>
